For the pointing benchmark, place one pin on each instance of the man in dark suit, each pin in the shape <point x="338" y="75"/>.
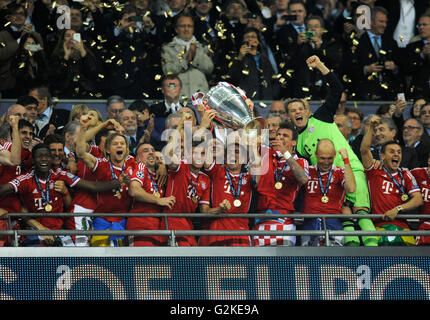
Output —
<point x="414" y="137"/>
<point x="171" y="88"/>
<point x="404" y="16"/>
<point x="387" y="131"/>
<point x="48" y="117"/>
<point x="289" y="37"/>
<point x="418" y="59"/>
<point x="376" y="72"/>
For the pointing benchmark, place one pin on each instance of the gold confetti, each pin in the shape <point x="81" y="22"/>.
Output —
<point x="245" y="72"/>
<point x="305" y="89"/>
<point x="355" y="42"/>
<point x="133" y="60"/>
<point x="384" y="85"/>
<point x="401" y="38"/>
<point x="263" y="105"/>
<point x="101" y="76"/>
<point x="157" y="77"/>
<point x="21" y="65"/>
<point x="383" y="52"/>
<point x="119" y="62"/>
<point x="126" y="75"/>
<point x="145" y="94"/>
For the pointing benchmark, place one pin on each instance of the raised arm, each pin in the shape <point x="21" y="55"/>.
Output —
<point x="350" y="184"/>
<point x="102" y="186"/>
<point x="335" y="88"/>
<point x="12" y="158"/>
<point x="81" y="145"/>
<point x="366" y="154"/>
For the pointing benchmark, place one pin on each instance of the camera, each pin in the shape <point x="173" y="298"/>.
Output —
<point x="245" y="43"/>
<point x="309" y="34"/>
<point x="289" y="17"/>
<point x="136" y="18"/>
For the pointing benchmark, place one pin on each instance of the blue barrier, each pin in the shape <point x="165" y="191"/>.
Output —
<point x="216" y="274"/>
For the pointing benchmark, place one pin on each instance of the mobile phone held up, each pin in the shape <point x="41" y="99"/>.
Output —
<point x="309" y="34"/>
<point x="77" y="37"/>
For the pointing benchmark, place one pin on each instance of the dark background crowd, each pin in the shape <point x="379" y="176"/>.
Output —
<point x="125" y="48"/>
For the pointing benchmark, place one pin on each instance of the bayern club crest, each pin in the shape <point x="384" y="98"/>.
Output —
<point x="311" y="129"/>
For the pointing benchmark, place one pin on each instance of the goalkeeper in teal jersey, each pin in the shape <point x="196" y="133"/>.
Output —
<point x="321" y="125"/>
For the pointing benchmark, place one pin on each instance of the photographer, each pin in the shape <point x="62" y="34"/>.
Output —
<point x="315" y="41"/>
<point x="251" y="69"/>
<point x="376" y="59"/>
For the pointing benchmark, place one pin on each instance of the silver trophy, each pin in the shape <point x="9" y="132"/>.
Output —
<point x="232" y="110"/>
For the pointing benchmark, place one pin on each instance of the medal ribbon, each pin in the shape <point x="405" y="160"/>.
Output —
<point x="154" y="184"/>
<point x="112" y="171"/>
<point x="45" y="194"/>
<point x="399" y="186"/>
<point x="192" y="184"/>
<point x="278" y="174"/>
<point x="324" y="191"/>
<point x="235" y="194"/>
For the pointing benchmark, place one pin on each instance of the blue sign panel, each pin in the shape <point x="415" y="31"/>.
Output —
<point x="215" y="278"/>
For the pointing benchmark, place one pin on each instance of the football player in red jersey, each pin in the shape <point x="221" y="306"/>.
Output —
<point x="42" y="191"/>
<point x="190" y="187"/>
<point x="232" y="186"/>
<point x="148" y="196"/>
<point x="422" y="176"/>
<point x="11" y="154"/>
<point x="392" y="189"/>
<point x="325" y="192"/>
<point x="279" y="187"/>
<point x="116" y="162"/>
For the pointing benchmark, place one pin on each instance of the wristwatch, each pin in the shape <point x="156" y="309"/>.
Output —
<point x="399" y="208"/>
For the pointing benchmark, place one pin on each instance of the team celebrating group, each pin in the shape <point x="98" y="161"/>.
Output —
<point x="309" y="168"/>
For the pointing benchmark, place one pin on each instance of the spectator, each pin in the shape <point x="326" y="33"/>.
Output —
<point x="114" y="106"/>
<point x="387" y="131"/>
<point x="403" y="18"/>
<point x="17" y="110"/>
<point x="344" y="124"/>
<point x="376" y="61"/>
<point x="413" y="136"/>
<point x="278" y="107"/>
<point x="29" y="65"/>
<point x="315" y="41"/>
<point x="287" y="37"/>
<point x="77" y="111"/>
<point x="272" y="124"/>
<point x="341" y="108"/>
<point x="418" y="59"/>
<point x="425" y="118"/>
<point x="70" y="133"/>
<point x="416" y="107"/>
<point x="252" y="70"/>
<point x="48" y="118"/>
<point x="171" y="89"/>
<point x="135" y="53"/>
<point x="30" y="103"/>
<point x="74" y="69"/>
<point x="187" y="58"/>
<point x="10" y="37"/>
<point x="356" y="117"/>
<point x="128" y="120"/>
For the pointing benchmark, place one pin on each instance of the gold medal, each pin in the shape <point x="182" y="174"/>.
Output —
<point x="118" y="195"/>
<point x="48" y="208"/>
<point x="278" y="185"/>
<point x="194" y="198"/>
<point x="405" y="197"/>
<point x="157" y="194"/>
<point x="237" y="203"/>
<point x="324" y="199"/>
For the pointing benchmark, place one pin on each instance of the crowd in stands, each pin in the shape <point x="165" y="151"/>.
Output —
<point x="104" y="48"/>
<point x="333" y="161"/>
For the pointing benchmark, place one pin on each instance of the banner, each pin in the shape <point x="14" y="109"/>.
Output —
<point x="215" y="278"/>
